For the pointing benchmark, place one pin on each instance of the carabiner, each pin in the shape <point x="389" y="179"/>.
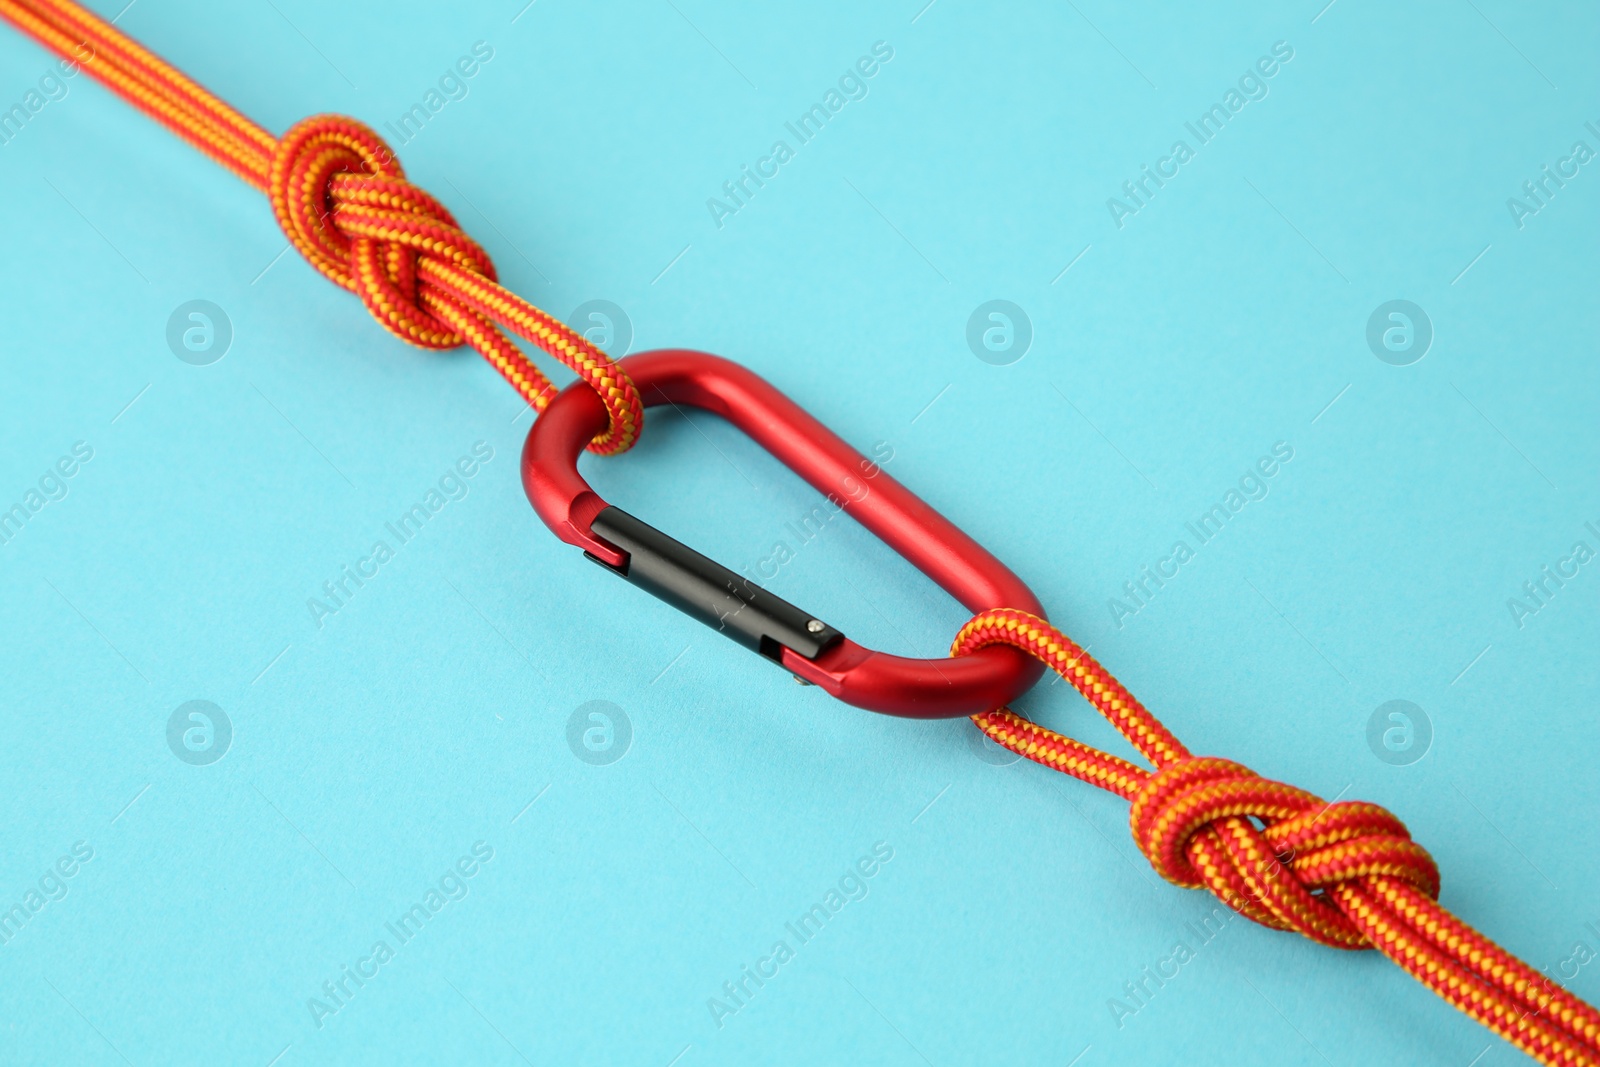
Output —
<point x="809" y="648"/>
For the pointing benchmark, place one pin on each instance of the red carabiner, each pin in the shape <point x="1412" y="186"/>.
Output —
<point x="814" y="651"/>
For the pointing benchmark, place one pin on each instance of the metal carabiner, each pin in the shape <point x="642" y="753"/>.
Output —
<point x="700" y="587"/>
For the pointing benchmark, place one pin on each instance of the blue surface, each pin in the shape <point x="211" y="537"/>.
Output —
<point x="370" y="754"/>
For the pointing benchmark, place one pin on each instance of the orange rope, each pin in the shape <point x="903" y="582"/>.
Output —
<point x="343" y="200"/>
<point x="1345" y="874"/>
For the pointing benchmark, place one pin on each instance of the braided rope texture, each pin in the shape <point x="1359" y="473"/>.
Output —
<point x="1345" y="874"/>
<point x="343" y="200"/>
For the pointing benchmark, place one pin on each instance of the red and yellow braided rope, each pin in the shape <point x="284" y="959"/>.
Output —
<point x="343" y="200"/>
<point x="1344" y="874"/>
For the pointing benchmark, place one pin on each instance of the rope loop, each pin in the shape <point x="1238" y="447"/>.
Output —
<point x="1345" y="874"/>
<point x="341" y="197"/>
<point x="1270" y="851"/>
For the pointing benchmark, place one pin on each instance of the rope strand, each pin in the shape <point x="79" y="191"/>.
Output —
<point x="1345" y="874"/>
<point x="341" y="197"/>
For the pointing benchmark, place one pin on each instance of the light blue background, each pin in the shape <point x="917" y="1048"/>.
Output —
<point x="371" y="753"/>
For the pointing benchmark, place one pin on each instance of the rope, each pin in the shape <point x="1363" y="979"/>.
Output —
<point x="1346" y="874"/>
<point x="343" y="200"/>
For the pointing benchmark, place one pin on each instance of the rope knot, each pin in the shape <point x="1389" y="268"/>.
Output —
<point x="343" y="200"/>
<point x="1272" y="852"/>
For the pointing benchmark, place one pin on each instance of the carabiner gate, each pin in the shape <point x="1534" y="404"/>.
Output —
<point x="805" y="645"/>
